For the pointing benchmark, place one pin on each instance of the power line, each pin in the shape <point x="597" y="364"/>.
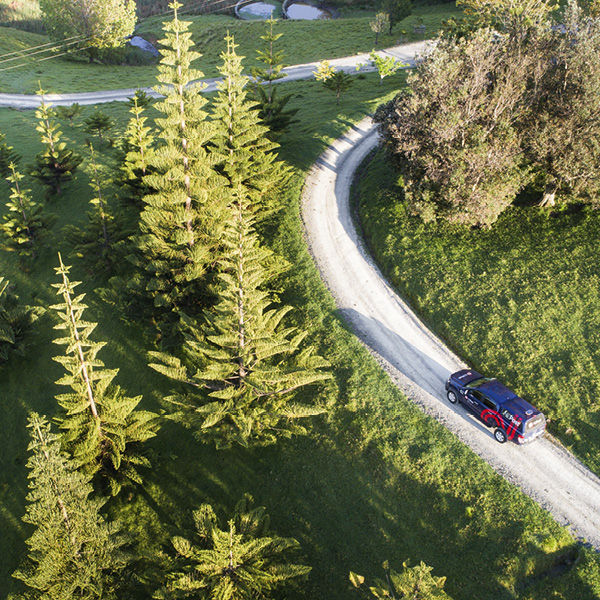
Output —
<point x="56" y="47"/>
<point x="85" y="38"/>
<point x="40" y="46"/>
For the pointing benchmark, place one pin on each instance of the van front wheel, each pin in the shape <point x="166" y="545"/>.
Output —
<point x="500" y="436"/>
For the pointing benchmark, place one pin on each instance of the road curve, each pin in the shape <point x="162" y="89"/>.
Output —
<point x="418" y="362"/>
<point x="406" y="53"/>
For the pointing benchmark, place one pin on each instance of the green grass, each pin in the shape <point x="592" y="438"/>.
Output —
<point x="328" y="39"/>
<point x="21" y="14"/>
<point x="375" y="479"/>
<point x="520" y="301"/>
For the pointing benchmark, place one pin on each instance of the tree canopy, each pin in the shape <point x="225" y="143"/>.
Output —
<point x="98" y="25"/>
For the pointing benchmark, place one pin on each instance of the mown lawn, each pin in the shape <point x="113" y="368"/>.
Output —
<point x="328" y="39"/>
<point x="520" y="301"/>
<point x="374" y="480"/>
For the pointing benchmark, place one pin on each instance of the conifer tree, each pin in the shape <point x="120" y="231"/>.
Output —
<point x="243" y="561"/>
<point x="56" y="164"/>
<point x="271" y="108"/>
<point x="16" y="320"/>
<point x="69" y="112"/>
<point x="246" y="155"/>
<point x="8" y="156"/>
<point x="247" y="361"/>
<point x="102" y="428"/>
<point x="182" y="218"/>
<point x="137" y="153"/>
<point x="100" y="243"/>
<point x="73" y="552"/>
<point x="98" y="123"/>
<point x="25" y="222"/>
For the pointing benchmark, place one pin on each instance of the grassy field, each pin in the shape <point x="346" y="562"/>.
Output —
<point x="520" y="301"/>
<point x="329" y="39"/>
<point x="374" y="480"/>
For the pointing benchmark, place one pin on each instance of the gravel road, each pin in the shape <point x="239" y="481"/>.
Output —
<point x="405" y="53"/>
<point x="418" y="362"/>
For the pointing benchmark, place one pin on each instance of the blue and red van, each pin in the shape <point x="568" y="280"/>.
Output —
<point x="497" y="406"/>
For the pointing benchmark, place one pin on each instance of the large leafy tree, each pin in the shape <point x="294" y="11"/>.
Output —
<point x="396" y="10"/>
<point x="56" y="164"/>
<point x="241" y="561"/>
<point x="182" y="219"/>
<point x="563" y="127"/>
<point x="73" y="551"/>
<point x="455" y="133"/>
<point x="243" y="357"/>
<point x="100" y="25"/>
<point x="245" y="155"/>
<point x="102" y="427"/>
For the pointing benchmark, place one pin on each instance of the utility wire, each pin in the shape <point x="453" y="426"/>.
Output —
<point x="85" y="38"/>
<point x="57" y="47"/>
<point x="40" y="46"/>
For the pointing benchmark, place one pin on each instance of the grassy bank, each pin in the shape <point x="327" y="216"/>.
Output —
<point x="520" y="301"/>
<point x="329" y="39"/>
<point x="375" y="479"/>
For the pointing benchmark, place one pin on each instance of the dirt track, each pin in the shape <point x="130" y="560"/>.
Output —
<point x="417" y="361"/>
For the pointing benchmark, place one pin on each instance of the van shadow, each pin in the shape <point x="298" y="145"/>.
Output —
<point x="420" y="369"/>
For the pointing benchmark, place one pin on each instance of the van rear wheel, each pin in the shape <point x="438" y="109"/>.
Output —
<point x="500" y="436"/>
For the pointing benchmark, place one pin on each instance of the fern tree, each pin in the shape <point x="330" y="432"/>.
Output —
<point x="98" y="123"/>
<point x="102" y="426"/>
<point x="245" y="154"/>
<point x="101" y="242"/>
<point x="249" y="363"/>
<point x="242" y="561"/>
<point x="55" y="164"/>
<point x="16" y="320"/>
<point x="137" y="153"/>
<point x="181" y="221"/>
<point x="272" y="109"/>
<point x="25" y="223"/>
<point x="73" y="551"/>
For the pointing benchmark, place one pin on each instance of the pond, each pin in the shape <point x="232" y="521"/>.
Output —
<point x="259" y="10"/>
<point x="307" y="12"/>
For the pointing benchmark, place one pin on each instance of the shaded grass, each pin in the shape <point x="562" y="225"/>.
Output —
<point x="329" y="39"/>
<point x="375" y="479"/>
<point x="520" y="301"/>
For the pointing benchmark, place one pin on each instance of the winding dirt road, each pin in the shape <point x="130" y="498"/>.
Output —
<point x="417" y="361"/>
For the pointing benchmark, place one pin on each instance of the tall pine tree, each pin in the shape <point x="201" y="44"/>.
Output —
<point x="246" y="156"/>
<point x="242" y="561"/>
<point x="102" y="426"/>
<point x="181" y="221"/>
<point x="249" y="363"/>
<point x="137" y="152"/>
<point x="55" y="164"/>
<point x="73" y="551"/>
<point x="25" y="223"/>
<point x="16" y="320"/>
<point x="101" y="243"/>
<point x="272" y="109"/>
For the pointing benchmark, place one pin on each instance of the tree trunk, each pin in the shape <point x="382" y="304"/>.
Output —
<point x="549" y="198"/>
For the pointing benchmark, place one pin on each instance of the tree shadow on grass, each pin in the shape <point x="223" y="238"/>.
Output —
<point x="350" y="507"/>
